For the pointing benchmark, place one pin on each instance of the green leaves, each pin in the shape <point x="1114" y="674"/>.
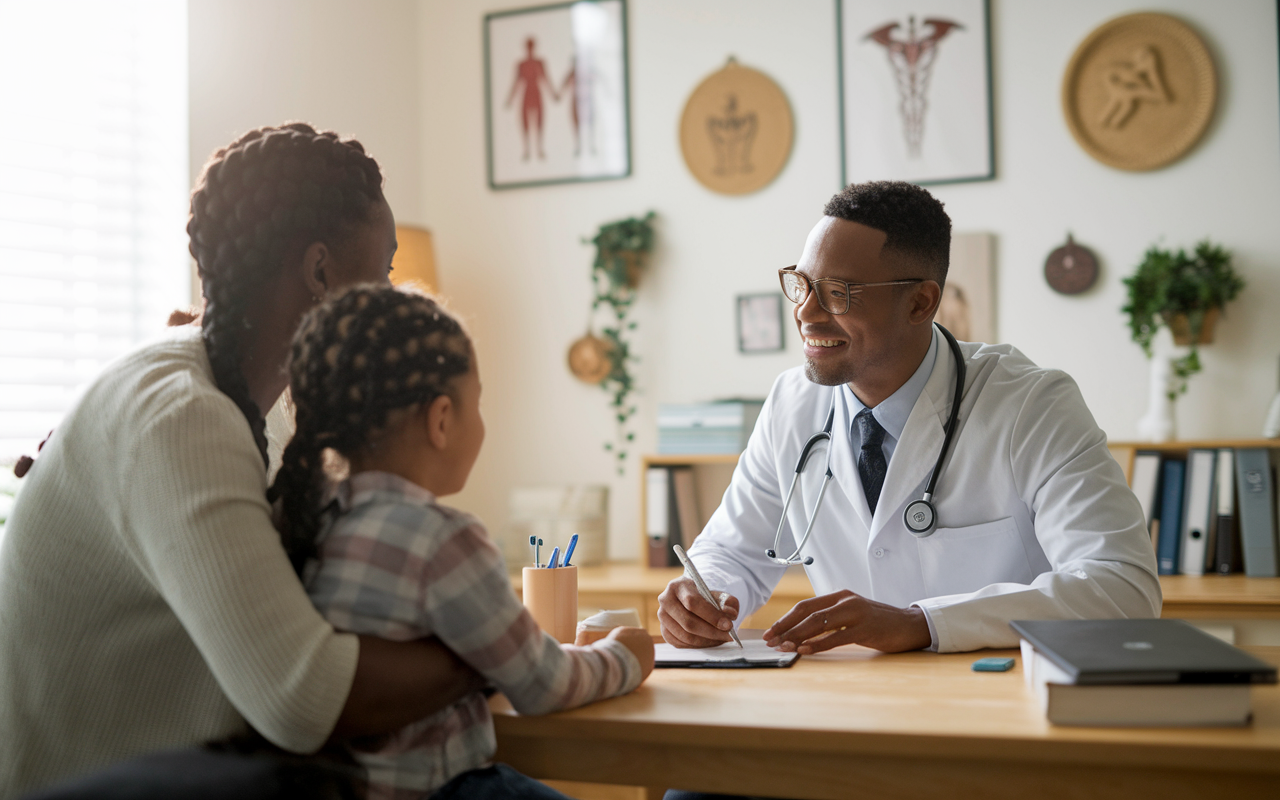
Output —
<point x="1172" y="283"/>
<point x="622" y="248"/>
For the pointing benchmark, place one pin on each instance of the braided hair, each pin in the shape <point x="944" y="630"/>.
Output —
<point x="260" y="200"/>
<point x="356" y="360"/>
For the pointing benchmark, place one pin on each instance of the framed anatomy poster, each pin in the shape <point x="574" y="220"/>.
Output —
<point x="915" y="90"/>
<point x="556" y="100"/>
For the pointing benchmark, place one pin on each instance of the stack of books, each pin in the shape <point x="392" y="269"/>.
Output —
<point x="1214" y="511"/>
<point x="706" y="428"/>
<point x="1137" y="672"/>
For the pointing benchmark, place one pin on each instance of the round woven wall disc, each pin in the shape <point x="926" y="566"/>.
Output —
<point x="1071" y="269"/>
<point x="736" y="130"/>
<point x="1140" y="91"/>
<point x="589" y="359"/>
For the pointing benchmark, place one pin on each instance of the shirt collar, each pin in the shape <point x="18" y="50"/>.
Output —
<point x="893" y="412"/>
<point x="366" y="487"/>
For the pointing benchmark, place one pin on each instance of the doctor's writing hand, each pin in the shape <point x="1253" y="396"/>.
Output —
<point x="843" y="617"/>
<point x="690" y="621"/>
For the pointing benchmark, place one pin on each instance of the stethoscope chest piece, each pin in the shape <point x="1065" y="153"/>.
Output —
<point x="920" y="518"/>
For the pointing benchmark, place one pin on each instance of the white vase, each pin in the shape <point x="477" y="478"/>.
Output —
<point x="1271" y="429"/>
<point x="1158" y="424"/>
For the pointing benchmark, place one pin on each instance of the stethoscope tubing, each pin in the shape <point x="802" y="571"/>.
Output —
<point x="922" y="506"/>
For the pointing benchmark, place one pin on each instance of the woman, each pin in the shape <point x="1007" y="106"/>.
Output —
<point x="145" y="599"/>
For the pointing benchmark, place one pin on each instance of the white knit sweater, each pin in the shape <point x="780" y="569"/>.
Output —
<point x="145" y="600"/>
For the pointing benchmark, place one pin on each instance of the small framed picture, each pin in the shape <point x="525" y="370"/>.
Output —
<point x="556" y="105"/>
<point x="760" y="323"/>
<point x="915" y="90"/>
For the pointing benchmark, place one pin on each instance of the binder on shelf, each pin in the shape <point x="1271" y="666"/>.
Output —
<point x="686" y="506"/>
<point x="1198" y="515"/>
<point x="1170" y="516"/>
<point x="1257" y="508"/>
<point x="657" y="515"/>
<point x="1227" y="557"/>
<point x="1146" y="484"/>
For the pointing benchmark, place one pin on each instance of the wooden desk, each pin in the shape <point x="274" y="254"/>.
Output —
<point x="856" y="723"/>
<point x="1249" y="607"/>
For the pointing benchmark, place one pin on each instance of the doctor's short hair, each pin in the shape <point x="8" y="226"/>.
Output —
<point x="913" y="219"/>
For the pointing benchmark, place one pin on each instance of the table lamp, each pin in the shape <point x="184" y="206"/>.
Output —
<point x="414" y="263"/>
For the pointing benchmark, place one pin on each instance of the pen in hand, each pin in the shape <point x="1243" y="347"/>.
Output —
<point x="692" y="572"/>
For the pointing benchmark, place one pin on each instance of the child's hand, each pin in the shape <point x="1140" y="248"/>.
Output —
<point x="638" y="641"/>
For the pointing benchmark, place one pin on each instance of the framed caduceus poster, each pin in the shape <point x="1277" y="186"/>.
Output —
<point x="915" y="90"/>
<point x="556" y="94"/>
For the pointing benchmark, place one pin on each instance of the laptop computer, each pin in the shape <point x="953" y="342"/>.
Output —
<point x="1127" y="651"/>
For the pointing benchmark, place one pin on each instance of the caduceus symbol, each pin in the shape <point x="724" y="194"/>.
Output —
<point x="912" y="60"/>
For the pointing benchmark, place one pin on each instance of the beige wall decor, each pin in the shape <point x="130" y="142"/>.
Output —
<point x="736" y="130"/>
<point x="1139" y="92"/>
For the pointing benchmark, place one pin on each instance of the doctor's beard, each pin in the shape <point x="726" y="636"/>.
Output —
<point x="833" y="375"/>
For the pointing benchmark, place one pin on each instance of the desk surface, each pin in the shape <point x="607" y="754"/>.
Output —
<point x="852" y="713"/>
<point x="1222" y="590"/>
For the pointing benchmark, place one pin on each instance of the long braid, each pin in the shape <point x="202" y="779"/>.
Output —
<point x="355" y="361"/>
<point x="262" y="199"/>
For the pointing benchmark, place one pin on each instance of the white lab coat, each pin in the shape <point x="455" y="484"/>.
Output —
<point x="1035" y="518"/>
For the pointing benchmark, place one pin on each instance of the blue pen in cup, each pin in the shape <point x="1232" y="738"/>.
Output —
<point x="555" y="559"/>
<point x="568" y="553"/>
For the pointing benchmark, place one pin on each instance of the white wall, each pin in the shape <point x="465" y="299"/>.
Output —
<point x="407" y="77"/>
<point x="512" y="261"/>
<point x="339" y="64"/>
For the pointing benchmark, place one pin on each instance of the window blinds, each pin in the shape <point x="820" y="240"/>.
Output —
<point x="93" y="196"/>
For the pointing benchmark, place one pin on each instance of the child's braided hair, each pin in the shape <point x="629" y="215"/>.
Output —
<point x="355" y="360"/>
<point x="260" y="200"/>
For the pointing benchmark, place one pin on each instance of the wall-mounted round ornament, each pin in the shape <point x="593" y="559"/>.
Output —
<point x="1140" y="91"/>
<point x="1071" y="269"/>
<point x="589" y="359"/>
<point x="736" y="131"/>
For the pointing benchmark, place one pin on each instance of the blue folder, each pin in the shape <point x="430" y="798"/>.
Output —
<point x="1170" y="516"/>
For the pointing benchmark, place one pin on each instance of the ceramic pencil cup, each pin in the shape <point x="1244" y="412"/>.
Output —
<point x="551" y="595"/>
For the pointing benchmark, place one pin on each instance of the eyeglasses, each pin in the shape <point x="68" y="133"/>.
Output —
<point x="834" y="295"/>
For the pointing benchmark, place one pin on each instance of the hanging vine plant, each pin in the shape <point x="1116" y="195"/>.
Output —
<point x="622" y="250"/>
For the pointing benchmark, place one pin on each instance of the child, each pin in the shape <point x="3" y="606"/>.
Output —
<point x="388" y="380"/>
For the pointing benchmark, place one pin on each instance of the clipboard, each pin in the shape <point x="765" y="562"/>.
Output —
<point x="754" y="654"/>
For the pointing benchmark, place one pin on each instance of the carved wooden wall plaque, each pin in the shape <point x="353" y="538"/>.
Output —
<point x="736" y="130"/>
<point x="1140" y="91"/>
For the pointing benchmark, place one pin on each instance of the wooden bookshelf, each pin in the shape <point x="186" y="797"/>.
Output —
<point x="1125" y="452"/>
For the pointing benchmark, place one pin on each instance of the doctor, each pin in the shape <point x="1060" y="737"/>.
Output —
<point x="1033" y="516"/>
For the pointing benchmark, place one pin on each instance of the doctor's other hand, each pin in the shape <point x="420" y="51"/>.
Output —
<point x="821" y="623"/>
<point x="640" y="643"/>
<point x="688" y="620"/>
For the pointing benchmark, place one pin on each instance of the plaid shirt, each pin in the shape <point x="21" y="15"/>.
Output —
<point x="395" y="563"/>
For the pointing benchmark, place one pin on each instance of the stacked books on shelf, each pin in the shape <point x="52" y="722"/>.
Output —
<point x="1137" y="672"/>
<point x="706" y="428"/>
<point x="671" y="513"/>
<point x="1213" y="511"/>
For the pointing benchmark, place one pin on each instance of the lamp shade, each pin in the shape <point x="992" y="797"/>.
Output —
<point x="414" y="263"/>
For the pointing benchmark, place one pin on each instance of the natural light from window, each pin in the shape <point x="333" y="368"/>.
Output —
<point x="93" y="197"/>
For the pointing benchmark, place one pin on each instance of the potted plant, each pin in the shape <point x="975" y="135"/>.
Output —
<point x="1186" y="293"/>
<point x="622" y="249"/>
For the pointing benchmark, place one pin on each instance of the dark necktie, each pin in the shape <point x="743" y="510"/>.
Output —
<point x="871" y="464"/>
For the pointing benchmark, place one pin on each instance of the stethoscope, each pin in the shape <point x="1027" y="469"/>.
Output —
<point x="920" y="517"/>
